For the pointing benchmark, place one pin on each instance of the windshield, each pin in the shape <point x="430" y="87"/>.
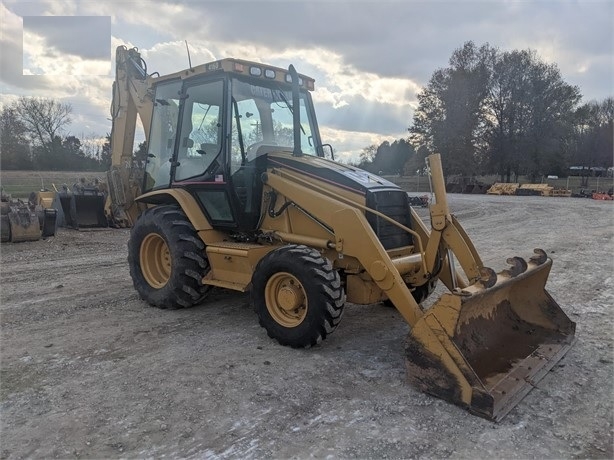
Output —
<point x="262" y="116"/>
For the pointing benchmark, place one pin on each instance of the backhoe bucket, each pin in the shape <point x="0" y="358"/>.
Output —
<point x="82" y="210"/>
<point x="486" y="346"/>
<point x="89" y="211"/>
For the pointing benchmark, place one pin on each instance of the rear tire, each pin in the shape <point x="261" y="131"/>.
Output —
<point x="167" y="259"/>
<point x="297" y="296"/>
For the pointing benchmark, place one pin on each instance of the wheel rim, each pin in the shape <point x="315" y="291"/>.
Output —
<point x="155" y="260"/>
<point x="285" y="299"/>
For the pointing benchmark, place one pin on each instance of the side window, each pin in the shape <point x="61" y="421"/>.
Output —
<point x="162" y="135"/>
<point x="201" y="130"/>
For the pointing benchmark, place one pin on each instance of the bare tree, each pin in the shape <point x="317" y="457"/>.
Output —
<point x="368" y="154"/>
<point x="44" y="119"/>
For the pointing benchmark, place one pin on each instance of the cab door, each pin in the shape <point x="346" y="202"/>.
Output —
<point x="199" y="162"/>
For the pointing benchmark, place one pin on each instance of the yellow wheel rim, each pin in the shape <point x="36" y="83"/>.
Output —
<point x="285" y="299"/>
<point x="155" y="260"/>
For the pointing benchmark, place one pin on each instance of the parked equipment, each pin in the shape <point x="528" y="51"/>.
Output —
<point x="82" y="206"/>
<point x="503" y="188"/>
<point x="238" y="193"/>
<point x="466" y="185"/>
<point x="421" y="201"/>
<point x="21" y="221"/>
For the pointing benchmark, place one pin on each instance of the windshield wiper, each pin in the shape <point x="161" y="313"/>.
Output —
<point x="290" y="108"/>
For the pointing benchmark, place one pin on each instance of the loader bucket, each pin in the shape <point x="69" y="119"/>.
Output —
<point x="485" y="347"/>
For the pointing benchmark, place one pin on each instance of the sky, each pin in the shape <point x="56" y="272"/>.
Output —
<point x="370" y="59"/>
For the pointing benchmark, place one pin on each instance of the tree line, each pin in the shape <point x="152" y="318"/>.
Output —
<point x="488" y="112"/>
<point x="31" y="137"/>
<point x="500" y="112"/>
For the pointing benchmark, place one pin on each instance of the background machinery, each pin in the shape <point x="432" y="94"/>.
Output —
<point x="238" y="193"/>
<point x="82" y="206"/>
<point x="25" y="221"/>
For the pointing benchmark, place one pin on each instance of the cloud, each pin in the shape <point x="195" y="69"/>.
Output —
<point x="348" y="145"/>
<point x="369" y="58"/>
<point x="66" y="45"/>
<point x="12" y="81"/>
<point x="88" y="37"/>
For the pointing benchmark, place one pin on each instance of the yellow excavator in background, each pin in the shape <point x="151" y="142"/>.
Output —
<point x="240" y="192"/>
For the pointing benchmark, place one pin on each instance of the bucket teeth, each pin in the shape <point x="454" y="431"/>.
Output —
<point x="488" y="277"/>
<point x="539" y="257"/>
<point x="518" y="266"/>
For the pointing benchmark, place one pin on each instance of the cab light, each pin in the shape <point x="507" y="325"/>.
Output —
<point x="255" y="71"/>
<point x="238" y="67"/>
<point x="269" y="73"/>
<point x="289" y="79"/>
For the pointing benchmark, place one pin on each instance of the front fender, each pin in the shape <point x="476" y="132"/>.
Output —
<point x="184" y="199"/>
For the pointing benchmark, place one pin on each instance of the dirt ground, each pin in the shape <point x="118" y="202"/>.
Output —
<point x="88" y="370"/>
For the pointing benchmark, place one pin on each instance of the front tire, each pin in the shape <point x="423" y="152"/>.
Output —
<point x="297" y="296"/>
<point x="167" y="258"/>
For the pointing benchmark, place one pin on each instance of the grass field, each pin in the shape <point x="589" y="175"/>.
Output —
<point x="20" y="183"/>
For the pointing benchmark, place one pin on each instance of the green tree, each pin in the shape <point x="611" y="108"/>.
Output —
<point x="532" y="112"/>
<point x="14" y="145"/>
<point x="402" y="152"/>
<point x="140" y="156"/>
<point x="105" y="154"/>
<point x="593" y="134"/>
<point x="451" y="117"/>
<point x="503" y="112"/>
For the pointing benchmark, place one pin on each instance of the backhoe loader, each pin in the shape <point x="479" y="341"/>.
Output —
<point x="239" y="192"/>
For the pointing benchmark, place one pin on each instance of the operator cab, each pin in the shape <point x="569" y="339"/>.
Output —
<point x="211" y="133"/>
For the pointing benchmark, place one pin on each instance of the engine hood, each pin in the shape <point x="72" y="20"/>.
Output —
<point x="345" y="176"/>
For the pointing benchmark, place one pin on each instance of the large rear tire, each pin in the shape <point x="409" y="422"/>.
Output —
<point x="297" y="296"/>
<point x="167" y="258"/>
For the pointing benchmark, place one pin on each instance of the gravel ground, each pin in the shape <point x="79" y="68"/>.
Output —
<point x="88" y="370"/>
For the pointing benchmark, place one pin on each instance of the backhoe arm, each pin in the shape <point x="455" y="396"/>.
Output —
<point x="131" y="98"/>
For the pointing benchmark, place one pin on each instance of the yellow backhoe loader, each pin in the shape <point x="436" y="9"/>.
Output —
<point x="240" y="192"/>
